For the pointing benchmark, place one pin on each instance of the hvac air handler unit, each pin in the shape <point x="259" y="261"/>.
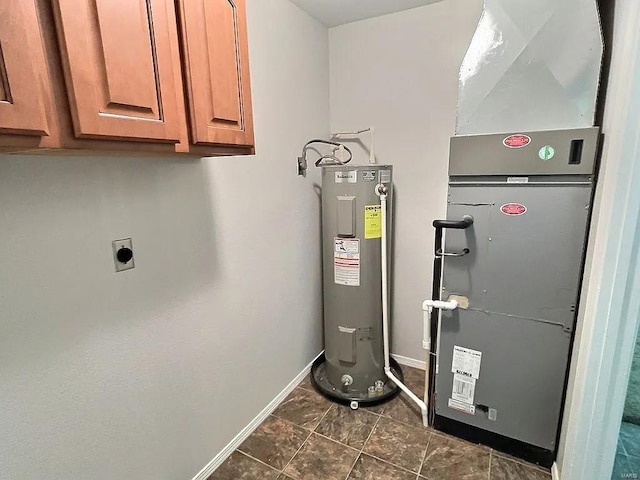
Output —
<point x="503" y="358"/>
<point x="507" y="273"/>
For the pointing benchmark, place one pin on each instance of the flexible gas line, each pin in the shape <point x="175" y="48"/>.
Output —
<point x="382" y="191"/>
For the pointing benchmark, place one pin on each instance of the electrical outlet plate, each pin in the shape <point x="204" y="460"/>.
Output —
<point x="117" y="245"/>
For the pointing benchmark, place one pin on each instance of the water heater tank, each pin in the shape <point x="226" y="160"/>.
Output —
<point x="351" y="238"/>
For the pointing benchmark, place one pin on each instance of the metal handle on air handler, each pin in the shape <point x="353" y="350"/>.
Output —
<point x="466" y="222"/>
<point x="440" y="253"/>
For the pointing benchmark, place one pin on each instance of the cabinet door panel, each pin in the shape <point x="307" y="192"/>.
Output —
<point x="119" y="61"/>
<point x="214" y="37"/>
<point x="22" y="70"/>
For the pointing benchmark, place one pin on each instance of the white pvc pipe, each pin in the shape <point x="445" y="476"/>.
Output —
<point x="428" y="305"/>
<point x="427" y="380"/>
<point x="372" y="155"/>
<point x="426" y="329"/>
<point x="381" y="191"/>
<point x="427" y="308"/>
<point x="372" y="130"/>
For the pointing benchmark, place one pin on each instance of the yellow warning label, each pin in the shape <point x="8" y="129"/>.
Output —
<point x="372" y="221"/>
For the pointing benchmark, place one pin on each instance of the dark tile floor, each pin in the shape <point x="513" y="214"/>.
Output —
<point x="627" y="463"/>
<point x="310" y="438"/>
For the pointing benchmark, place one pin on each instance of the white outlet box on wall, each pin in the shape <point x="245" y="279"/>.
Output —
<point x="123" y="254"/>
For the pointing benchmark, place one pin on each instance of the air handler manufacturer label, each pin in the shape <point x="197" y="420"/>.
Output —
<point x="517" y="141"/>
<point x="513" y="209"/>
<point x="346" y="261"/>
<point x="372" y="221"/>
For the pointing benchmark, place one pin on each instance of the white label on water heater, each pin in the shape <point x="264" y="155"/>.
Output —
<point x="346" y="261"/>
<point x="466" y="362"/>
<point x="369" y="176"/>
<point x="347" y="177"/>
<point x="464" y="388"/>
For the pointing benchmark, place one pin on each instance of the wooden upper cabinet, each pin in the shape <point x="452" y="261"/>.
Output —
<point x="138" y="76"/>
<point x="22" y="70"/>
<point x="122" y="68"/>
<point x="216" y="64"/>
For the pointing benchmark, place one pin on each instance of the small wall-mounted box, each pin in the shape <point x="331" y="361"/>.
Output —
<point x="123" y="254"/>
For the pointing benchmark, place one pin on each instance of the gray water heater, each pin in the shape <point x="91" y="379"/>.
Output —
<point x="352" y="368"/>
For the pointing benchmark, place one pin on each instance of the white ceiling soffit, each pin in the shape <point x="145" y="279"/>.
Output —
<point x="338" y="12"/>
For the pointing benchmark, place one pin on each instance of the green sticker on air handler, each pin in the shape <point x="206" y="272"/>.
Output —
<point x="546" y="153"/>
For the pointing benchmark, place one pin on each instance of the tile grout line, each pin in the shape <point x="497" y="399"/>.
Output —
<point x="335" y="441"/>
<point x="297" y="451"/>
<point x="425" y="429"/>
<point x="317" y="433"/>
<point x="519" y="461"/>
<point x="424" y="456"/>
<point x="257" y="460"/>
<point x="387" y="462"/>
<point x="490" y="462"/>
<point x="331" y="405"/>
<point x="300" y="426"/>
<point x="311" y="432"/>
<point x="295" y="454"/>
<point x="363" y="445"/>
<point x="383" y="414"/>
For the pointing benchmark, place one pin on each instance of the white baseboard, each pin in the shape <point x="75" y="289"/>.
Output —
<point x="255" y="423"/>
<point x="555" y="473"/>
<point x="410" y="362"/>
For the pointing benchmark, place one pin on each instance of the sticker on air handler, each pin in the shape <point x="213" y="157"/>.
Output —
<point x="465" y="367"/>
<point x="513" y="209"/>
<point x="517" y="141"/>
<point x="547" y="153"/>
<point x="462" y="407"/>
<point x="346" y="261"/>
<point x="464" y="388"/>
<point x="466" y="362"/>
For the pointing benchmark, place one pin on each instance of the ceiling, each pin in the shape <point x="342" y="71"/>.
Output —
<point x="338" y="12"/>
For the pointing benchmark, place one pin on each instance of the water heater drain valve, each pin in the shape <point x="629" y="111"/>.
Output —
<point x="346" y="380"/>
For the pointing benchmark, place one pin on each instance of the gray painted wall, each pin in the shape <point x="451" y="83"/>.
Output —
<point x="399" y="73"/>
<point x="148" y="374"/>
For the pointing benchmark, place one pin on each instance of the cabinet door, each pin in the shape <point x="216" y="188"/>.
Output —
<point x="22" y="70"/>
<point x="214" y="35"/>
<point x="120" y="59"/>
